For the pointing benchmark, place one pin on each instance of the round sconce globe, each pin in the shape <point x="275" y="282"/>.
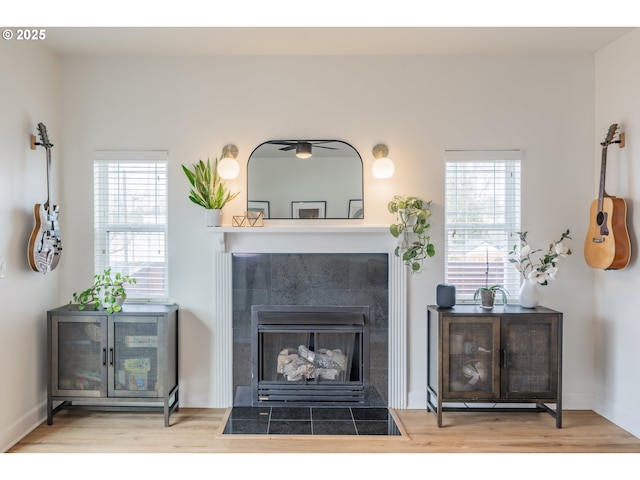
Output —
<point x="228" y="168"/>
<point x="383" y="168"/>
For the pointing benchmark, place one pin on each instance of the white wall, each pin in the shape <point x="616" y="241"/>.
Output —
<point x="29" y="94"/>
<point x="617" y="302"/>
<point x="420" y="107"/>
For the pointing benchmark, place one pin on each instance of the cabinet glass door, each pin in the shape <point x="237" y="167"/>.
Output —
<point x="79" y="356"/>
<point x="531" y="360"/>
<point x="470" y="356"/>
<point x="134" y="357"/>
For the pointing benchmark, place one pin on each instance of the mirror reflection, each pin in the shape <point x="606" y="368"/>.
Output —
<point x="305" y="179"/>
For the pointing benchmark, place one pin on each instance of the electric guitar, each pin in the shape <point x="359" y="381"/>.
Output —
<point x="45" y="245"/>
<point x="607" y="245"/>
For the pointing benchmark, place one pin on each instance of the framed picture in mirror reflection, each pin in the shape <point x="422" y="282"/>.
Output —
<point x="258" y="206"/>
<point x="356" y="209"/>
<point x="308" y="210"/>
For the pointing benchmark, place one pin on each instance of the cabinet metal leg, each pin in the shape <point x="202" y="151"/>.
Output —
<point x="49" y="412"/>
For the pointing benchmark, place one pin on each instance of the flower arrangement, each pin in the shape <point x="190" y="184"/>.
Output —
<point x="546" y="267"/>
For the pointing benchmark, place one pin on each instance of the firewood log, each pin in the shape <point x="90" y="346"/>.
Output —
<point x="324" y="360"/>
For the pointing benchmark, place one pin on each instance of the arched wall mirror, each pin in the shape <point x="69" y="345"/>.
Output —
<point x="326" y="184"/>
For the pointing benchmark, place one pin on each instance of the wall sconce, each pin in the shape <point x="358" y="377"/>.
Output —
<point x="383" y="167"/>
<point x="228" y="166"/>
<point x="303" y="150"/>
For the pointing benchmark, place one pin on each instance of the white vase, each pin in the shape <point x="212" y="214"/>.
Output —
<point x="119" y="300"/>
<point x="405" y="216"/>
<point x="212" y="217"/>
<point x="529" y="295"/>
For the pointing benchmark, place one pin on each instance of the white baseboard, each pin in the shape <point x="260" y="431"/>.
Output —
<point x="22" y="426"/>
<point x="625" y="419"/>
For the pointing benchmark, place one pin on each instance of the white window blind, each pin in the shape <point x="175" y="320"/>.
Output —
<point x="482" y="216"/>
<point x="130" y="219"/>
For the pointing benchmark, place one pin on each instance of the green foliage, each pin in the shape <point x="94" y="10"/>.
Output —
<point x="412" y="229"/>
<point x="106" y="289"/>
<point x="208" y="189"/>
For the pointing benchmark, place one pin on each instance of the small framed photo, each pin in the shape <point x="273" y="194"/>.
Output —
<point x="259" y="206"/>
<point x="308" y="209"/>
<point x="356" y="209"/>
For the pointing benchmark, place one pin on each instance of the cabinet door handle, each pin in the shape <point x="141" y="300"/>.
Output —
<point x="111" y="357"/>
<point x="503" y="357"/>
<point x="104" y="357"/>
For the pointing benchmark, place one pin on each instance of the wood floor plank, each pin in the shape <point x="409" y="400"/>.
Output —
<point x="196" y="430"/>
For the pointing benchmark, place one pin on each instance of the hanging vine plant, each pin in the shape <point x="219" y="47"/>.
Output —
<point x="412" y="230"/>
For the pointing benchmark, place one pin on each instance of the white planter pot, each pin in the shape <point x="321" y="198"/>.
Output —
<point x="529" y="295"/>
<point x="404" y="215"/>
<point x="212" y="217"/>
<point x="119" y="301"/>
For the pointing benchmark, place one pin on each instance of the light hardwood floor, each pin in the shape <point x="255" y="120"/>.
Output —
<point x="199" y="431"/>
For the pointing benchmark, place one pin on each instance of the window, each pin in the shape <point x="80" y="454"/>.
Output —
<point x="130" y="219"/>
<point x="482" y="216"/>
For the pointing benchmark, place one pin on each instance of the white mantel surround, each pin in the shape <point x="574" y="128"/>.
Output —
<point x="306" y="237"/>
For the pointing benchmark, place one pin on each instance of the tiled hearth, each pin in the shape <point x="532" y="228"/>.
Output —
<point x="310" y="421"/>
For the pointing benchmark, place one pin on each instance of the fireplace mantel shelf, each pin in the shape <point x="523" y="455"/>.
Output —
<point x="300" y="229"/>
<point x="221" y="234"/>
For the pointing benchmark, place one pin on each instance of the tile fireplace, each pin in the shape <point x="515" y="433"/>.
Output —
<point x="300" y="319"/>
<point x="300" y="298"/>
<point x="309" y="266"/>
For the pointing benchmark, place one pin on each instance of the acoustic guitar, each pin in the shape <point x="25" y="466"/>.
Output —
<point x="45" y="245"/>
<point x="607" y="245"/>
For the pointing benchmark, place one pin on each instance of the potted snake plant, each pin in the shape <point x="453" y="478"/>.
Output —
<point x="208" y="190"/>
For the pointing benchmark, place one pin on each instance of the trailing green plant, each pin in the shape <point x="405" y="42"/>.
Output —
<point x="208" y="188"/>
<point x="107" y="288"/>
<point x="494" y="289"/>
<point x="412" y="230"/>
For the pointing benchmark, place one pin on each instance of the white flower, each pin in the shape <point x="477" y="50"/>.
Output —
<point x="551" y="272"/>
<point x="561" y="250"/>
<point x="544" y="268"/>
<point x="534" y="276"/>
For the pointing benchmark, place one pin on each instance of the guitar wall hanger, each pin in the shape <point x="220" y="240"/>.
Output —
<point x="620" y="141"/>
<point x="34" y="144"/>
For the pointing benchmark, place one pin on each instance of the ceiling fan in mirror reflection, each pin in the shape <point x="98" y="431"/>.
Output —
<point x="303" y="148"/>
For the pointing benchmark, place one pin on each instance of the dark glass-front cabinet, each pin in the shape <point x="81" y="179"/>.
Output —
<point x="483" y="360"/>
<point x="118" y="361"/>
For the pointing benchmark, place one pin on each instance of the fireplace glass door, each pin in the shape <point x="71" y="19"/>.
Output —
<point x="310" y="358"/>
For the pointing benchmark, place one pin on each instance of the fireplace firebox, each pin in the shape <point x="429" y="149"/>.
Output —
<point x="310" y="355"/>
